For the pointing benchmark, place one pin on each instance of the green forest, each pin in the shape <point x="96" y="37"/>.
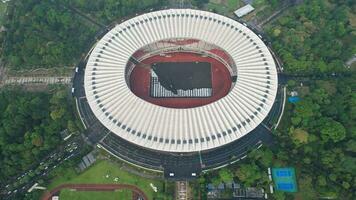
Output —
<point x="315" y="37"/>
<point x="109" y="11"/>
<point x="30" y="123"/>
<point x="51" y="33"/>
<point x="317" y="135"/>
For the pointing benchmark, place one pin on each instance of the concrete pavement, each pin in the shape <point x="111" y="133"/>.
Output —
<point x="36" y="80"/>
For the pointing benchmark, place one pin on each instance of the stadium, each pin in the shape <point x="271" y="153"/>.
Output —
<point x="178" y="89"/>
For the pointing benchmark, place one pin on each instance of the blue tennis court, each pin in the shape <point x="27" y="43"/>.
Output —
<point x="284" y="179"/>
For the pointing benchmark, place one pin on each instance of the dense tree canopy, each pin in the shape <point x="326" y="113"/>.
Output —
<point x="47" y="33"/>
<point x="44" y="34"/>
<point x="315" y="37"/>
<point x="107" y="11"/>
<point x="27" y="130"/>
<point x="249" y="174"/>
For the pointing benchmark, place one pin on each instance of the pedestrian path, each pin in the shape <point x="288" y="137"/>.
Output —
<point x="37" y="80"/>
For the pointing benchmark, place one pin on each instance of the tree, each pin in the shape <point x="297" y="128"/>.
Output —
<point x="225" y="175"/>
<point x="278" y="195"/>
<point x="248" y="174"/>
<point x="321" y="181"/>
<point x="299" y="136"/>
<point x="306" y="110"/>
<point x="332" y="130"/>
<point x="263" y="155"/>
<point x="351" y="146"/>
<point x="306" y="186"/>
<point x="27" y="131"/>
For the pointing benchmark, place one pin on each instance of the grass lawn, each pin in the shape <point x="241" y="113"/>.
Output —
<point x="84" y="195"/>
<point x="98" y="174"/>
<point x="233" y="4"/>
<point x="225" y="7"/>
<point x="2" y="12"/>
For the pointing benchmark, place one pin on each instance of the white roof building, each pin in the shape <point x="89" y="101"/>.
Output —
<point x="55" y="198"/>
<point x="244" y="10"/>
<point x="171" y="129"/>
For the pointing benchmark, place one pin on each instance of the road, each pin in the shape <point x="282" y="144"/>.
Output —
<point x="19" y="184"/>
<point x="348" y="62"/>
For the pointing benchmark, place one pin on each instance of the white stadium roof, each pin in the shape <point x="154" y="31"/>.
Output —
<point x="172" y="129"/>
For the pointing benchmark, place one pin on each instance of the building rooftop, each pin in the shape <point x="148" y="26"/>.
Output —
<point x="244" y="10"/>
<point x="180" y="130"/>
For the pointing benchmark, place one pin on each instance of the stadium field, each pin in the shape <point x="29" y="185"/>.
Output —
<point x="107" y="172"/>
<point x="68" y="194"/>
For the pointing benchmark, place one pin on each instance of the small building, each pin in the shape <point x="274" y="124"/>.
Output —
<point x="221" y="186"/>
<point x="87" y="161"/>
<point x="55" y="197"/>
<point x="294" y="93"/>
<point x="210" y="187"/>
<point x="2" y="29"/>
<point x="244" y="10"/>
<point x="249" y="193"/>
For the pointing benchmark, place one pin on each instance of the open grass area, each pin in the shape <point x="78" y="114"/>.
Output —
<point x="225" y="7"/>
<point x="105" y="172"/>
<point x="68" y="194"/>
<point x="233" y="4"/>
<point x="2" y="12"/>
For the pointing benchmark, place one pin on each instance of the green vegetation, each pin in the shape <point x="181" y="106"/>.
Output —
<point x="199" y="3"/>
<point x="222" y="6"/>
<point x="233" y="4"/>
<point x="317" y="135"/>
<point x="68" y="194"/>
<point x="30" y="124"/>
<point x="46" y="33"/>
<point x="98" y="174"/>
<point x="2" y="12"/>
<point x="109" y="11"/>
<point x="315" y="37"/>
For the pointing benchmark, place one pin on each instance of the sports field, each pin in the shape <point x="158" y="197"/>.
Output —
<point x="104" y="172"/>
<point x="68" y="194"/>
<point x="284" y="179"/>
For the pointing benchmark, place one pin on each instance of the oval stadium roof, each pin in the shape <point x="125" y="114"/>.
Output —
<point x="180" y="130"/>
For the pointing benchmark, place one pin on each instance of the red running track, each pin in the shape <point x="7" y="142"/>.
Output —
<point x="221" y="81"/>
<point x="96" y="187"/>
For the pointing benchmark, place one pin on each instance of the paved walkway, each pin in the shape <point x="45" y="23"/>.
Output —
<point x="37" y="80"/>
<point x="351" y="60"/>
<point x="137" y="192"/>
<point x="181" y="190"/>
